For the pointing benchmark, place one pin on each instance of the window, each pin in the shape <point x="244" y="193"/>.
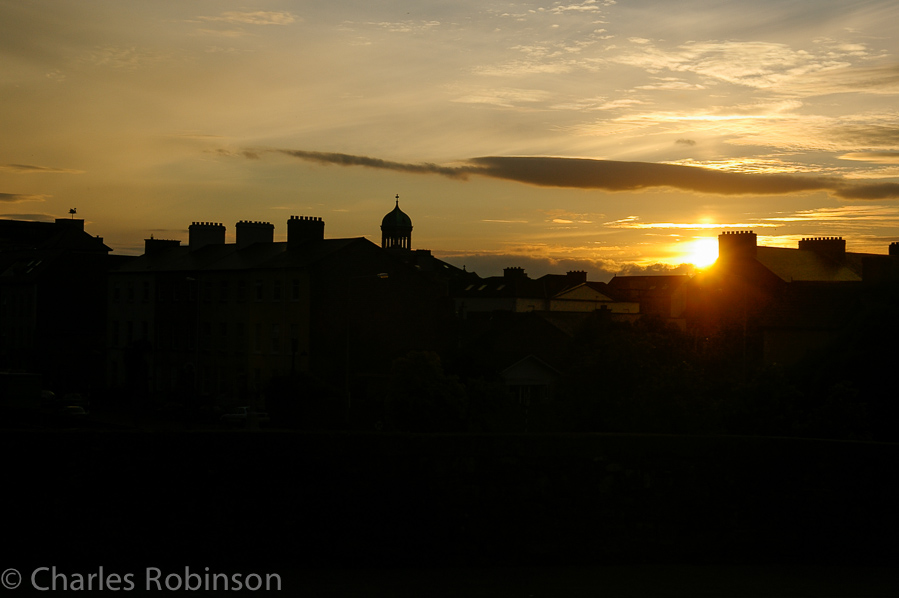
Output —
<point x="295" y="289"/>
<point x="223" y="336"/>
<point x="259" y="290"/>
<point x="276" y="339"/>
<point x="276" y="291"/>
<point x="206" y="331"/>
<point x="240" y="343"/>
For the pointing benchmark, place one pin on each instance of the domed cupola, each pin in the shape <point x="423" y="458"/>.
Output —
<point x="396" y="229"/>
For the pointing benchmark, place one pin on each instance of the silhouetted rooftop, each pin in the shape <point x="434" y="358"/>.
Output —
<point x="230" y="257"/>
<point x="797" y="264"/>
<point x="64" y="234"/>
<point x="545" y="287"/>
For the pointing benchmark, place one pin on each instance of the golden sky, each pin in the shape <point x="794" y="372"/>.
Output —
<point x="599" y="135"/>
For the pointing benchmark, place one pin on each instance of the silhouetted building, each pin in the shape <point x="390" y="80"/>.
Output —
<point x="786" y="301"/>
<point x="662" y="296"/>
<point x="53" y="302"/>
<point x="515" y="292"/>
<point x="221" y="320"/>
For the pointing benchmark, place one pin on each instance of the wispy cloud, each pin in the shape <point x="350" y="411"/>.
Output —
<point x="751" y="165"/>
<point x="35" y="217"/>
<point x="581" y="7"/>
<point x="634" y="224"/>
<point x="873" y="157"/>
<point x="843" y="217"/>
<point x="20" y="197"/>
<point x="755" y="64"/>
<point x="127" y="58"/>
<point x="504" y="97"/>
<point x="258" y="17"/>
<point x="407" y="26"/>
<point x="31" y="168"/>
<point x="612" y="175"/>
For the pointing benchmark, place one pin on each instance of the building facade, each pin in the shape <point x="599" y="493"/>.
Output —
<point x="218" y="322"/>
<point x="53" y="302"/>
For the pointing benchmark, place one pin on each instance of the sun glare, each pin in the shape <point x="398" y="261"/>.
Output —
<point x="702" y="252"/>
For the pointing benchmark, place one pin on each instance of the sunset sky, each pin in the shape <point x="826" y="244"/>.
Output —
<point x="593" y="134"/>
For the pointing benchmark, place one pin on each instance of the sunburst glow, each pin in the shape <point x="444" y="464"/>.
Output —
<point x="702" y="252"/>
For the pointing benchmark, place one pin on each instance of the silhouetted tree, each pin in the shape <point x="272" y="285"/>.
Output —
<point x="422" y="398"/>
<point x="491" y="407"/>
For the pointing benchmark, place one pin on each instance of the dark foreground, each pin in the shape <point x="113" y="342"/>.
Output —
<point x="458" y="515"/>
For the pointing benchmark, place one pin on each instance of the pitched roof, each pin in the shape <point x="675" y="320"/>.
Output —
<point x="547" y="286"/>
<point x="803" y="265"/>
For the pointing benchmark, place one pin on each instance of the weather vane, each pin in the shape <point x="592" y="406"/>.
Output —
<point x="73" y="211"/>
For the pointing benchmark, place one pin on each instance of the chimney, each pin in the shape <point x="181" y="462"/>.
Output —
<point x="152" y="245"/>
<point x="894" y="250"/>
<point x="832" y="248"/>
<point x="249" y="233"/>
<point x="201" y="234"/>
<point x="514" y="272"/>
<point x="737" y="245"/>
<point x="302" y="229"/>
<point x="577" y="276"/>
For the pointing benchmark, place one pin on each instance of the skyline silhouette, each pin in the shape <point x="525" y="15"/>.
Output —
<point x="592" y="135"/>
<point x="470" y="298"/>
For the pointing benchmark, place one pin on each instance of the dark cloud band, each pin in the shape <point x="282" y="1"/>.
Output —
<point x="351" y="160"/>
<point x="610" y="175"/>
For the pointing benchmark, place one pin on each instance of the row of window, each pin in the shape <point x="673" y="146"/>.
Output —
<point x="270" y="338"/>
<point x="223" y="290"/>
<point x="212" y="379"/>
<point x="17" y="304"/>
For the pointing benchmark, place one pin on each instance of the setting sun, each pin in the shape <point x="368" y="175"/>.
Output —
<point x="702" y="252"/>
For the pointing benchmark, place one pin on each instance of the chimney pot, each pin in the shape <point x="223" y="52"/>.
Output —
<point x="251" y="232"/>
<point x="303" y="229"/>
<point x="201" y="234"/>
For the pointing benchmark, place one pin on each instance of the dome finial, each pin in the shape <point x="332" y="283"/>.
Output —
<point x="396" y="228"/>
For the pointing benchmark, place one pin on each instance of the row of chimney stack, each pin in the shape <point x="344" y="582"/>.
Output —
<point x="300" y="229"/>
<point x="742" y="244"/>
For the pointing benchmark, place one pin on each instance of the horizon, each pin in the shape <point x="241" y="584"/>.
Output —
<point x="588" y="135"/>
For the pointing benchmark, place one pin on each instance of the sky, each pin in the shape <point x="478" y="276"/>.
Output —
<point x="607" y="136"/>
